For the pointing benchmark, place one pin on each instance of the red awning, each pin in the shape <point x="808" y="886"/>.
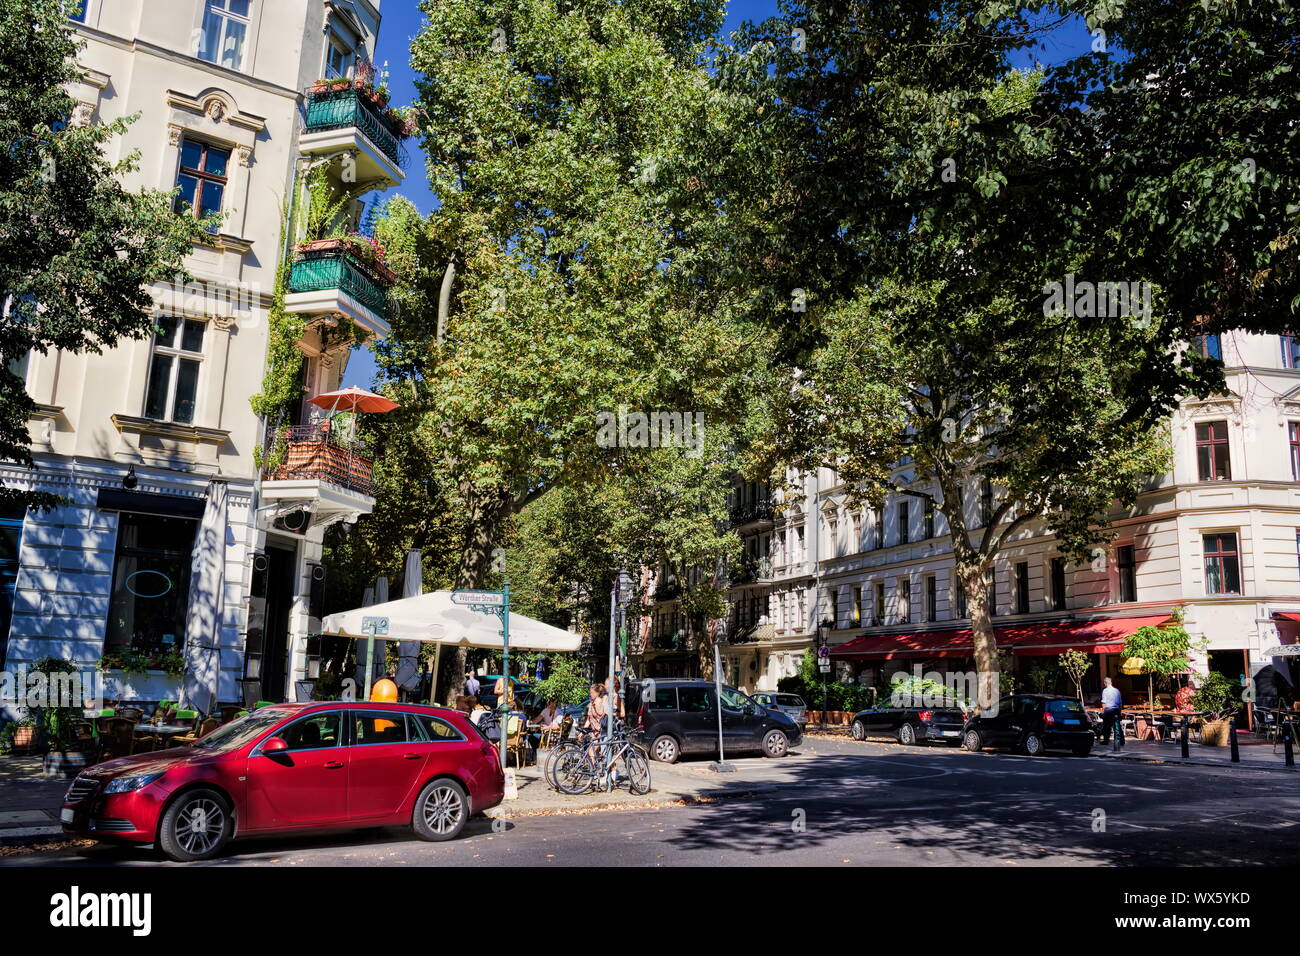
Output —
<point x="1038" y="638"/>
<point x="1292" y="616"/>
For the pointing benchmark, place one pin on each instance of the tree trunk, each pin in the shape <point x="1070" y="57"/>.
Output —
<point x="974" y="577"/>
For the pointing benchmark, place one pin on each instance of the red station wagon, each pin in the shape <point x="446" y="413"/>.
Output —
<point x="294" y="768"/>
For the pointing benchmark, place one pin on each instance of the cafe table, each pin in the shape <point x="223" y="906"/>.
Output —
<point x="146" y="729"/>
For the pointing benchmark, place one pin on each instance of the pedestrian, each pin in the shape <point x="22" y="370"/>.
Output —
<point x="1111" y="709"/>
<point x="471" y="685"/>
<point x="596" y="705"/>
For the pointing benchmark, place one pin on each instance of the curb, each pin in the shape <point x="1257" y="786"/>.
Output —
<point x="501" y="811"/>
<point x="1174" y="761"/>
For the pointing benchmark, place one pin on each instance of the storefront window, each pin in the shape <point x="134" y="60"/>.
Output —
<point x="151" y="578"/>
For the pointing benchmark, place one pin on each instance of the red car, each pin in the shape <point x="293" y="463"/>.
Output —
<point x="294" y="767"/>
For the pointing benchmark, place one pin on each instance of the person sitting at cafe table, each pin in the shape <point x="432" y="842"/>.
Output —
<point x="550" y="716"/>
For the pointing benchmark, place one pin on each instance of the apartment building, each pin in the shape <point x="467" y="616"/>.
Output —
<point x="178" y="565"/>
<point x="1218" y="536"/>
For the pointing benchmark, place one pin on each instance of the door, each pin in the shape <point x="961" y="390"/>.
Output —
<point x="386" y="763"/>
<point x="742" y="721"/>
<point x="306" y="785"/>
<point x="280" y="591"/>
<point x="698" y="718"/>
<point x="1003" y="729"/>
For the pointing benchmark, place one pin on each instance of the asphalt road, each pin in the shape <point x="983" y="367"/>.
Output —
<point x="854" y="804"/>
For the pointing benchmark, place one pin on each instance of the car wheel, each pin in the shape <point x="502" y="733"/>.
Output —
<point x="440" y="811"/>
<point x="666" y="749"/>
<point x="196" y="826"/>
<point x="1033" y="745"/>
<point x="1081" y="750"/>
<point x="973" y="741"/>
<point x="907" y="734"/>
<point x="775" y="744"/>
<point x="858" y="730"/>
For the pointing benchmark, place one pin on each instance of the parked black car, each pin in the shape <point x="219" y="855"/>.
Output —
<point x="911" y="724"/>
<point x="1032" y="724"/>
<point x="680" y="715"/>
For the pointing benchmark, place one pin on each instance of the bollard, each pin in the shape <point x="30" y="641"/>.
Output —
<point x="1182" y="738"/>
<point x="1287" y="747"/>
<point x="1232" y="739"/>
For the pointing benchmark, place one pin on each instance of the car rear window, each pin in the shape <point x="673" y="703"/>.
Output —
<point x="1064" y="707"/>
<point x="789" y="700"/>
<point x="665" y="698"/>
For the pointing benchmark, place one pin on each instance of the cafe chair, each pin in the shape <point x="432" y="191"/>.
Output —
<point x="116" y="737"/>
<point x="208" y="725"/>
<point x="516" y="740"/>
<point x="133" y="714"/>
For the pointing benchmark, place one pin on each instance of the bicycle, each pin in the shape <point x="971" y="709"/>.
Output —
<point x="566" y="751"/>
<point x="604" y="763"/>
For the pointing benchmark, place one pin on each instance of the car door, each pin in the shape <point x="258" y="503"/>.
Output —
<point x="698" y="717"/>
<point x="304" y="786"/>
<point x="449" y="751"/>
<point x="385" y="763"/>
<point x="1001" y="729"/>
<point x="742" y="721"/>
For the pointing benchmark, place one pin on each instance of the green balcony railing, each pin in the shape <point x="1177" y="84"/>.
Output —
<point x="340" y="109"/>
<point x="316" y="271"/>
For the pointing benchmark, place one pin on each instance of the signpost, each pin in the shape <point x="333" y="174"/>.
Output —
<point x="498" y="603"/>
<point x="824" y="663"/>
<point x="372" y="627"/>
<point x="718" y="629"/>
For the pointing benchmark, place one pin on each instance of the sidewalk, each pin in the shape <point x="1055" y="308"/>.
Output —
<point x="1253" y="756"/>
<point x="29" y="801"/>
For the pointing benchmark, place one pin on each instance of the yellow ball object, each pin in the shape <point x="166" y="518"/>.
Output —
<point x="1132" y="665"/>
<point x="384" y="690"/>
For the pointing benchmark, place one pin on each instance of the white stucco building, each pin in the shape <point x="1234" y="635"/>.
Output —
<point x="173" y="542"/>
<point x="1218" y="536"/>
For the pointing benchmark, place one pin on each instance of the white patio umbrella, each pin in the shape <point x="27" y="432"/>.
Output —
<point x="434" y="619"/>
<point x="408" y="652"/>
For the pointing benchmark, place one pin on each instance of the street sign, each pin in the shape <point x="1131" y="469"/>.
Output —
<point x="823" y="653"/>
<point x="374" y="626"/>
<point x="824" y="666"/>
<point x="487" y="598"/>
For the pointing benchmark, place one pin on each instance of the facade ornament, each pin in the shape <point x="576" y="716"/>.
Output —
<point x="215" y="110"/>
<point x="243" y="156"/>
<point x="174" y="135"/>
<point x="83" y="113"/>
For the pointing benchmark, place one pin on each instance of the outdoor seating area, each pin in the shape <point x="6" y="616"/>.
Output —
<point x="121" y="731"/>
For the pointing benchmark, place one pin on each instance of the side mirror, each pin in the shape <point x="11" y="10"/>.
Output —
<point x="274" y="745"/>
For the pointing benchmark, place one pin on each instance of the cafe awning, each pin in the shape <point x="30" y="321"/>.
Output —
<point x="1039" y="638"/>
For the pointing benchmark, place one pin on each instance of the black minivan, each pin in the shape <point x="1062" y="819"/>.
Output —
<point x="679" y="715"/>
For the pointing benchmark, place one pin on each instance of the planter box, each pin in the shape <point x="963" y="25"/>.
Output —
<point x="155" y="685"/>
<point x="1214" y="733"/>
<point x="27" y="739"/>
<point x="834" y="718"/>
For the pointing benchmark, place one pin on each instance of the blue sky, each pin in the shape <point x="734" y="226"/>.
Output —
<point x="401" y="23"/>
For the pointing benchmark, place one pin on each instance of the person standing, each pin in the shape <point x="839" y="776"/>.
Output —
<point x="1112" y="703"/>
<point x="471" y="685"/>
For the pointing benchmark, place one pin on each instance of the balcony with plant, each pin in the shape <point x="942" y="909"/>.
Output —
<point x="342" y="107"/>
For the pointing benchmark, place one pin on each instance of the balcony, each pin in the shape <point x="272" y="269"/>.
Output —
<point x="329" y="279"/>
<point x="320" y="475"/>
<point x="754" y="634"/>
<point x="751" y="512"/>
<point x="348" y="120"/>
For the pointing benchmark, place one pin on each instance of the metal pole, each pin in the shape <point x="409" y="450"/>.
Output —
<point x="1287" y="747"/>
<point x="1232" y="739"/>
<point x="370" y="666"/>
<point x="613" y="637"/>
<point x="503" y="705"/>
<point x="1182" y="738"/>
<point x="433" y="684"/>
<point x="717" y="683"/>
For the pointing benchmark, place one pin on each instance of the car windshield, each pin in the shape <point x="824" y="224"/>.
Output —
<point x="1064" y="707"/>
<point x="241" y="730"/>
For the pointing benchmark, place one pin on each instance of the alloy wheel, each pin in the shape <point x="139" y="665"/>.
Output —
<point x="443" y="809"/>
<point x="200" y="825"/>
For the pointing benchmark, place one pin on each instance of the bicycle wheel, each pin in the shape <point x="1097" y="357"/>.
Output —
<point x="636" y="768"/>
<point x="575" y="773"/>
<point x="560" y="762"/>
<point x="552" y="755"/>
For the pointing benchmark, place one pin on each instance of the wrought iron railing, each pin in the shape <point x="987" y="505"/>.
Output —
<point x="340" y="109"/>
<point x="750" y="512"/>
<point x="315" y="453"/>
<point x="336" y="269"/>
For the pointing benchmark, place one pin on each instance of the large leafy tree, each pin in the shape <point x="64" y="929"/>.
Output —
<point x="921" y="195"/>
<point x="77" y="249"/>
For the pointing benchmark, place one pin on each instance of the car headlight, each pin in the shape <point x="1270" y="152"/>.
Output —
<point x="135" y="781"/>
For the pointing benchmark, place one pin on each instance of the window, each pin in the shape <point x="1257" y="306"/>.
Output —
<point x="929" y="519"/>
<point x="880" y="602"/>
<point x="695" y="700"/>
<point x="1058" y="584"/>
<point x="225" y="30"/>
<point x="1022" y="587"/>
<point x="151" y="580"/>
<point x="880" y="527"/>
<point x="904" y="600"/>
<point x="1297" y="555"/>
<point x="1212" y="451"/>
<point x="426" y="728"/>
<point x="11" y="536"/>
<point x="665" y="698"/>
<point x="1290" y="351"/>
<point x="833" y="533"/>
<point x="857" y="605"/>
<point x="1210" y="346"/>
<point x="992" y="597"/>
<point x="857" y="531"/>
<point x="76" y="9"/>
<point x="986" y="503"/>
<point x="958" y="597"/>
<point x="202" y="178"/>
<point x="1126" y="563"/>
<point x="903" y="530"/>
<point x="931" y="599"/>
<point x="373" y="727"/>
<point x="317" y="732"/>
<point x="174" y="371"/>
<point x="340" y="57"/>
<point x="1222" y="564"/>
<point x="1294" y="432"/>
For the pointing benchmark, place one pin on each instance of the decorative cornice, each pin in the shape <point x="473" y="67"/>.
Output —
<point x="218" y="106"/>
<point x="170" y="430"/>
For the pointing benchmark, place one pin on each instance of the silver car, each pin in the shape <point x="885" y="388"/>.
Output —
<point x="790" y="704"/>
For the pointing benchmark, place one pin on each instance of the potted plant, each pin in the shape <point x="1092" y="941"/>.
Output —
<point x="26" y="736"/>
<point x="1214" y="697"/>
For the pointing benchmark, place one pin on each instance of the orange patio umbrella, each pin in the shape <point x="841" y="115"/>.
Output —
<point x="353" y="399"/>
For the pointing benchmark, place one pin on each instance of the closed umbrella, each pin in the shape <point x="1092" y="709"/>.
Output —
<point x="363" y="685"/>
<point x="408" y="652"/>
